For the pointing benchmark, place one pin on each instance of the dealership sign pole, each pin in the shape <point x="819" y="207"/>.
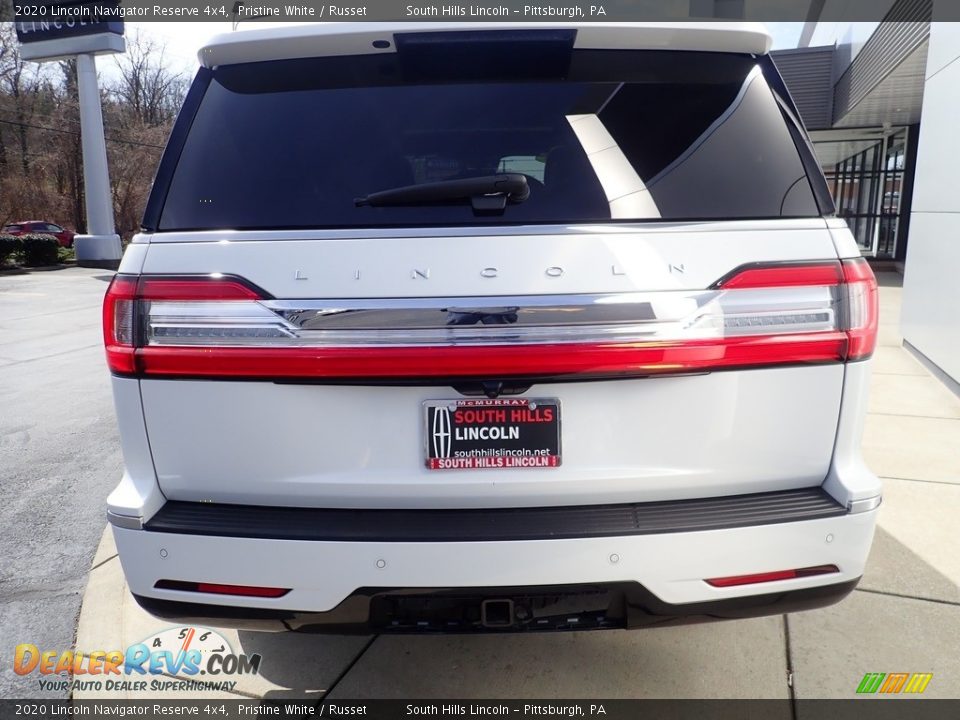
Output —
<point x="70" y="29"/>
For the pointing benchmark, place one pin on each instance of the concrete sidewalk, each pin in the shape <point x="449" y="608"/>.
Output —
<point x="904" y="617"/>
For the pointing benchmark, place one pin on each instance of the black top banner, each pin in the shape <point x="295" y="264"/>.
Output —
<point x="491" y="10"/>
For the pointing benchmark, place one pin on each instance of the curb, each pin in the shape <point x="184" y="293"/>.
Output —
<point x="101" y="264"/>
<point x="24" y="270"/>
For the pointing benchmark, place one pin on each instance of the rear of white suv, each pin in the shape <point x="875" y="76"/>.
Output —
<point x="440" y="328"/>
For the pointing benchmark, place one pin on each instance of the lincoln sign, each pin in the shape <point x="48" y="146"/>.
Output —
<point x="50" y="31"/>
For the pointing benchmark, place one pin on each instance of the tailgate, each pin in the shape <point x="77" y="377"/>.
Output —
<point x="349" y="442"/>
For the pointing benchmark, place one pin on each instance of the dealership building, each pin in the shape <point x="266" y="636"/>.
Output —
<point x="882" y="105"/>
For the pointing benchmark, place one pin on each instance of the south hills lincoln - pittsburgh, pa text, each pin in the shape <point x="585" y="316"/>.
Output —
<point x="528" y="11"/>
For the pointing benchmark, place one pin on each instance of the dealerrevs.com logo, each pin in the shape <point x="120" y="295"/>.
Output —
<point x="177" y="659"/>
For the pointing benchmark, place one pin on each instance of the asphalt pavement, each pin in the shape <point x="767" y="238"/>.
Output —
<point x="59" y="456"/>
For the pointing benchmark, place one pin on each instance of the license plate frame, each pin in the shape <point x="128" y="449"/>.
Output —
<point x="522" y="433"/>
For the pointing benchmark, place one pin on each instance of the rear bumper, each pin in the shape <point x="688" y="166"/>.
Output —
<point x="524" y="609"/>
<point x="647" y="577"/>
<point x="493" y="524"/>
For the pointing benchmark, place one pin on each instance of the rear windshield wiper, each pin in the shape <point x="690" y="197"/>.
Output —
<point x="488" y="194"/>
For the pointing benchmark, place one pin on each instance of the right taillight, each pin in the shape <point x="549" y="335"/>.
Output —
<point x="861" y="308"/>
<point x="854" y="290"/>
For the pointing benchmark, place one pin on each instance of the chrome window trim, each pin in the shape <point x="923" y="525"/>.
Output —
<point x="228" y="235"/>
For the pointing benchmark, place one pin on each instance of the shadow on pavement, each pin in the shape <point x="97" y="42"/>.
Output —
<point x="301" y="665"/>
<point x="661" y="663"/>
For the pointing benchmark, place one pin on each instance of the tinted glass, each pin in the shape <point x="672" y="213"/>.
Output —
<point x="615" y="135"/>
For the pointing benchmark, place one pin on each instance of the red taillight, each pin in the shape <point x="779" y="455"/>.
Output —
<point x="559" y="360"/>
<point x="757" y="316"/>
<point x="784" y="275"/>
<point x="220" y="589"/>
<point x="126" y="298"/>
<point x="735" y="580"/>
<point x="857" y="294"/>
<point x="119" y="324"/>
<point x="862" y="308"/>
<point x="211" y="287"/>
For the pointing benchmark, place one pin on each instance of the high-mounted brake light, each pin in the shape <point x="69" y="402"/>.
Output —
<point x="757" y="316"/>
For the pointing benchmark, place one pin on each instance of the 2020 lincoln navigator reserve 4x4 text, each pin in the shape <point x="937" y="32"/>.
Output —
<point x="451" y="328"/>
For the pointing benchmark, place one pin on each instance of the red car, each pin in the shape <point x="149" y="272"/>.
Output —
<point x="41" y="227"/>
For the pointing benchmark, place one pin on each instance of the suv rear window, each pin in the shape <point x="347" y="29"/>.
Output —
<point x="610" y="135"/>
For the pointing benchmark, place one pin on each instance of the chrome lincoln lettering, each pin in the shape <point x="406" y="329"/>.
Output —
<point x="490" y="272"/>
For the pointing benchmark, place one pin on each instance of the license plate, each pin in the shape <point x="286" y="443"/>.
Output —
<point x="471" y="434"/>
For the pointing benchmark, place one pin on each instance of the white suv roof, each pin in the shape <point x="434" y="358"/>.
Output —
<point x="328" y="39"/>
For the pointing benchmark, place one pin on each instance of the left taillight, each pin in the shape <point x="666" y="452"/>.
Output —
<point x="119" y="324"/>
<point x="130" y="299"/>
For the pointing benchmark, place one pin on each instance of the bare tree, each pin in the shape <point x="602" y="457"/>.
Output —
<point x="150" y="90"/>
<point x="132" y="167"/>
<point x="22" y="83"/>
<point x="27" y="98"/>
<point x="142" y="103"/>
<point x="41" y="161"/>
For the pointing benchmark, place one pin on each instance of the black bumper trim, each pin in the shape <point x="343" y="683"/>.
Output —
<point x="537" y="609"/>
<point x="494" y="524"/>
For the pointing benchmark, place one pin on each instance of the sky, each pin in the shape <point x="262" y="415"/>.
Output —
<point x="185" y="38"/>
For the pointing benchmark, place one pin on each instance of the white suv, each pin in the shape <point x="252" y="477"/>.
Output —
<point x="442" y="327"/>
